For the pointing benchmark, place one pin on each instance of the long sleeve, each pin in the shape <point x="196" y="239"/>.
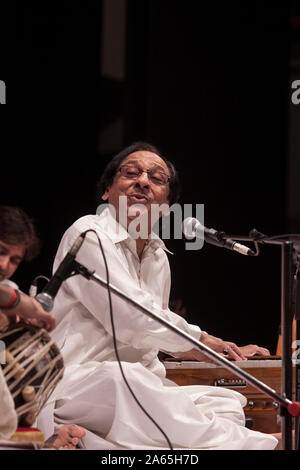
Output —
<point x="133" y="327"/>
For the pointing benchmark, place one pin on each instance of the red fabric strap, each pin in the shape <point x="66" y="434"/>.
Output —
<point x="12" y="300"/>
<point x="28" y="430"/>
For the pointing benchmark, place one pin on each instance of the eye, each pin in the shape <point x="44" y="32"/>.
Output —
<point x="131" y="172"/>
<point x="159" y="178"/>
<point x="15" y="261"/>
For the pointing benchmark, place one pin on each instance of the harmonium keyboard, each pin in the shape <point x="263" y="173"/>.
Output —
<point x="261" y="410"/>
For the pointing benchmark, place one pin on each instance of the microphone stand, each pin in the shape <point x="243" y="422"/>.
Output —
<point x="292" y="408"/>
<point x="297" y="321"/>
<point x="289" y="273"/>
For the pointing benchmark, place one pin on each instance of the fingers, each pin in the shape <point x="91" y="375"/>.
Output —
<point x="228" y="349"/>
<point x="32" y="312"/>
<point x="47" y="322"/>
<point x="43" y="319"/>
<point x="252" y="349"/>
<point x="232" y="351"/>
<point x="262" y="351"/>
<point x="4" y="322"/>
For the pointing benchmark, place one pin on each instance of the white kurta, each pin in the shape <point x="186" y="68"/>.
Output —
<point x="93" y="393"/>
<point x="8" y="416"/>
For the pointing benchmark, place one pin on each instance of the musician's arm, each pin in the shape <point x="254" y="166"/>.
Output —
<point x="14" y="304"/>
<point x="231" y="350"/>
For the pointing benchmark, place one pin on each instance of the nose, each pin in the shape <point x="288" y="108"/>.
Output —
<point x="143" y="179"/>
<point x="4" y="262"/>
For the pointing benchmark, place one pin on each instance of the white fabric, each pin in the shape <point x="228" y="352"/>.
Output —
<point x="93" y="393"/>
<point x="8" y="282"/>
<point x="8" y="416"/>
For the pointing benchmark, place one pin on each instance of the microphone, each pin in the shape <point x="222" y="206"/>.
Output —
<point x="47" y="296"/>
<point x="192" y="227"/>
<point x="258" y="236"/>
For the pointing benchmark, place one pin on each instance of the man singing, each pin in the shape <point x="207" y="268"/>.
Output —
<point x="135" y="407"/>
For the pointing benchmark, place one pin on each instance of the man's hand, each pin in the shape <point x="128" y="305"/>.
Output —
<point x="31" y="311"/>
<point x="252" y="349"/>
<point x="226" y="348"/>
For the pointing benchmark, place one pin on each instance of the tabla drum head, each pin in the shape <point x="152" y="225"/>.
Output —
<point x="33" y="366"/>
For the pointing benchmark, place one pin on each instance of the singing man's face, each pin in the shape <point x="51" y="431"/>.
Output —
<point x="141" y="190"/>
<point x="10" y="258"/>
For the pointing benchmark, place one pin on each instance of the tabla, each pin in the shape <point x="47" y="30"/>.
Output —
<point x="32" y="368"/>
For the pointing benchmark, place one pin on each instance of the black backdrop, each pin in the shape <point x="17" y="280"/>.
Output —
<point x="208" y="85"/>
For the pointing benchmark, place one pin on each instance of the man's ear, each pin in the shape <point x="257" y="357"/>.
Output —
<point x="105" y="195"/>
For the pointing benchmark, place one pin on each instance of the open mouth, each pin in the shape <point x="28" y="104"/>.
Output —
<point x="138" y="198"/>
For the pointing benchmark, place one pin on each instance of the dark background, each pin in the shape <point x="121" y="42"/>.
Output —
<point x="209" y="85"/>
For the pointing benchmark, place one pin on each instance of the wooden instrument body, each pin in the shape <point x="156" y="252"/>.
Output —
<point x="262" y="409"/>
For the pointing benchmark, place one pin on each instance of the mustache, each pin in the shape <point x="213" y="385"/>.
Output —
<point x="139" y="193"/>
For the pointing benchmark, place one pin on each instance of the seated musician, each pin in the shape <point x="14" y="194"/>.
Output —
<point x="145" y="410"/>
<point x="18" y="241"/>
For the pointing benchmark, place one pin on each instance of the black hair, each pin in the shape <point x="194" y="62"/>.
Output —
<point x="107" y="177"/>
<point x="17" y="228"/>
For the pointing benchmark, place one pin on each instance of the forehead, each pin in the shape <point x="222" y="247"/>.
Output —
<point x="146" y="160"/>
<point x="13" y="250"/>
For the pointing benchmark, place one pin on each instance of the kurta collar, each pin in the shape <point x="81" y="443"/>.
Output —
<point x="117" y="233"/>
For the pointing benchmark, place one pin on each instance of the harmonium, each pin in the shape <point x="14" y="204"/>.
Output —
<point x="261" y="411"/>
